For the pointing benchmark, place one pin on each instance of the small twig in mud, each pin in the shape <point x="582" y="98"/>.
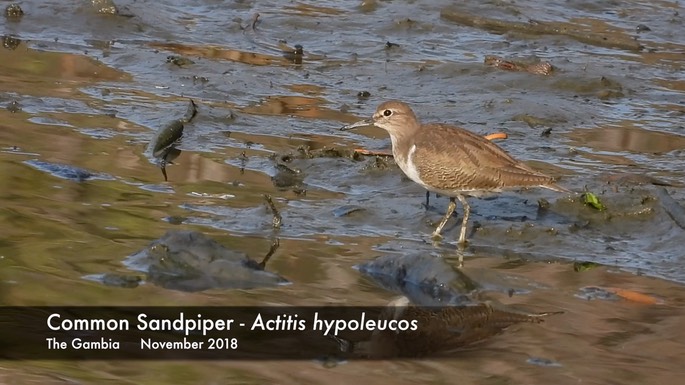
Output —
<point x="362" y="151"/>
<point x="277" y="215"/>
<point x="191" y="112"/>
<point x="274" y="246"/>
<point x="255" y="20"/>
<point x="253" y="24"/>
<point x="243" y="162"/>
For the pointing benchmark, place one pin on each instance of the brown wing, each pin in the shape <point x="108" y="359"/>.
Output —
<point x="460" y="159"/>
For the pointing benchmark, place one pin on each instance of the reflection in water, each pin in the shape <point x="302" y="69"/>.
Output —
<point x="163" y="144"/>
<point x="10" y="42"/>
<point x="300" y="106"/>
<point x="66" y="171"/>
<point x="606" y="37"/>
<point x="628" y="137"/>
<point x="290" y="57"/>
<point x="426" y="280"/>
<point x="441" y="330"/>
<point x="312" y="10"/>
<point x="33" y="72"/>
<point x="288" y="105"/>
<point x="14" y="12"/>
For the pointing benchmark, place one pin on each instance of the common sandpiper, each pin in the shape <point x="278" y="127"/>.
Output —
<point x="451" y="161"/>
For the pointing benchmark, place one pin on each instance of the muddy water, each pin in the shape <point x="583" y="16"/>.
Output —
<point x="89" y="90"/>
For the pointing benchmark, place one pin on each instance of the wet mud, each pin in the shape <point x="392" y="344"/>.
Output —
<point x="591" y="93"/>
<point x="535" y="27"/>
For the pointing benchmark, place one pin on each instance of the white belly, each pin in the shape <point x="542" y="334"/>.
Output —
<point x="410" y="167"/>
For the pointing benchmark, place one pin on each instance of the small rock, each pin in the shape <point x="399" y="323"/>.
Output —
<point x="14" y="11"/>
<point x="179" y="61"/>
<point x="9" y="42"/>
<point x="543" y="362"/>
<point x="642" y="28"/>
<point x="120" y="280"/>
<point x="14" y="107"/>
<point x="106" y="7"/>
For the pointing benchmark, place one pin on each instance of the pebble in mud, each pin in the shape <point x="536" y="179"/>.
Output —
<point x="287" y="178"/>
<point x="642" y="28"/>
<point x="368" y="6"/>
<point x="543" y="362"/>
<point x="295" y="55"/>
<point x="179" y="60"/>
<point x="10" y="42"/>
<point x="121" y="280"/>
<point x="14" y="11"/>
<point x="543" y="204"/>
<point x="380" y="163"/>
<point x="424" y="279"/>
<point x="580" y="266"/>
<point x="533" y="67"/>
<point x="175" y="220"/>
<point x="14" y="107"/>
<point x="107" y="7"/>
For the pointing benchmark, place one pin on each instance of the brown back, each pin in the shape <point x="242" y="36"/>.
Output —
<point x="458" y="158"/>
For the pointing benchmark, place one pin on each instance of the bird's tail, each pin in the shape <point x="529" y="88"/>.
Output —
<point x="557" y="188"/>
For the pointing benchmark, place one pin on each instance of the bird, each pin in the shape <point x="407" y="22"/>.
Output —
<point x="451" y="161"/>
<point x="437" y="331"/>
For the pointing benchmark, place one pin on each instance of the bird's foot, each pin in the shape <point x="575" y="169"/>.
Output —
<point x="461" y="244"/>
<point x="436" y="236"/>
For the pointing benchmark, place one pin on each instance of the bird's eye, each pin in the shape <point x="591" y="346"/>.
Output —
<point x="387" y="112"/>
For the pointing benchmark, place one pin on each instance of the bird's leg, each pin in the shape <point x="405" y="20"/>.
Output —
<point x="460" y="253"/>
<point x="428" y="195"/>
<point x="450" y="209"/>
<point x="167" y="157"/>
<point x="162" y="165"/>
<point x="467" y="210"/>
<point x="274" y="246"/>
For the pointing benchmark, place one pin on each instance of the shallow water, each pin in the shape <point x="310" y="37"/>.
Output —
<point x="89" y="90"/>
